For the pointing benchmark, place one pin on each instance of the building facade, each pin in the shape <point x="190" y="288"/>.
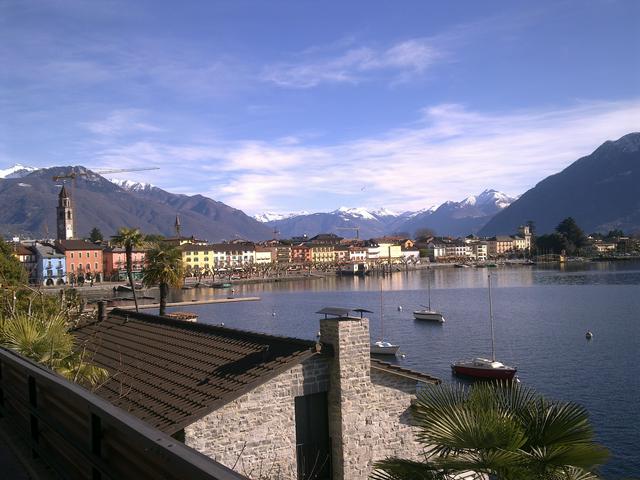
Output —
<point x="51" y="269"/>
<point x="84" y="260"/>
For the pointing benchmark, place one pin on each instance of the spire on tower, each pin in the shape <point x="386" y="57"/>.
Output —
<point x="178" y="226"/>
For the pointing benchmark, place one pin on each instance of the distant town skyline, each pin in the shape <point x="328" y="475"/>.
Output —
<point x="287" y="106"/>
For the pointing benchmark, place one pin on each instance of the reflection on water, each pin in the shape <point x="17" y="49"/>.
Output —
<point x="541" y="316"/>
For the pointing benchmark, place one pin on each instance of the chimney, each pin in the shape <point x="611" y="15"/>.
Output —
<point x="102" y="310"/>
<point x="349" y="394"/>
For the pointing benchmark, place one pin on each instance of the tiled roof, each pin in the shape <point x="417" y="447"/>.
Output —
<point x="171" y="373"/>
<point x="403" y="372"/>
<point x="77" y="245"/>
<point x="20" y="249"/>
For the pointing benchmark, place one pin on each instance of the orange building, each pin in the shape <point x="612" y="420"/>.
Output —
<point x="83" y="259"/>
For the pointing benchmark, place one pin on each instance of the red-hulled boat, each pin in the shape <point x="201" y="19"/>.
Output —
<point x="482" y="367"/>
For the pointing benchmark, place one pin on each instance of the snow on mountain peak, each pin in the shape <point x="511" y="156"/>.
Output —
<point x="272" y="216"/>
<point x="129" y="185"/>
<point x="358" y="212"/>
<point x="17" y="171"/>
<point x="384" y="212"/>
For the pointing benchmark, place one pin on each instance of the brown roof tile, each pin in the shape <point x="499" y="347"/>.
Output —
<point x="404" y="372"/>
<point x="170" y="373"/>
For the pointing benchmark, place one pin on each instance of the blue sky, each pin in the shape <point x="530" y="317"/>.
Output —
<point x="305" y="105"/>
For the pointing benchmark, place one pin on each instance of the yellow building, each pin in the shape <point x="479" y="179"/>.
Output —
<point x="322" y="253"/>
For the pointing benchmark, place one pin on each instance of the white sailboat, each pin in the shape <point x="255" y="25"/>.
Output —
<point x="427" y="313"/>
<point x="382" y="347"/>
<point x="485" y="368"/>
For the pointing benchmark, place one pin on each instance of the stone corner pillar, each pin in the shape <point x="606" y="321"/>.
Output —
<point x="350" y="392"/>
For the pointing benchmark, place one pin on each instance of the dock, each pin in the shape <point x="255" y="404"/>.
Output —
<point x="186" y="304"/>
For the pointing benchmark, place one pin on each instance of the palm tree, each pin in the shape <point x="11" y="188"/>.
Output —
<point x="129" y="238"/>
<point x="42" y="334"/>
<point x="163" y="266"/>
<point x="502" y="430"/>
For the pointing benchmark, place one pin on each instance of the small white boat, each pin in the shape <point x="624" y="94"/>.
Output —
<point x="382" y="347"/>
<point x="427" y="313"/>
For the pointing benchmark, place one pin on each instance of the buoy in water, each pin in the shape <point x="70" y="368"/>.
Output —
<point x="273" y="314"/>
<point x="399" y="308"/>
<point x="588" y="335"/>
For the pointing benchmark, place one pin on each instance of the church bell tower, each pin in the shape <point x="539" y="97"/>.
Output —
<point x="64" y="215"/>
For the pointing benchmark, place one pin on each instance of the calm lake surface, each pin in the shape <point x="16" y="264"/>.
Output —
<point x="541" y="316"/>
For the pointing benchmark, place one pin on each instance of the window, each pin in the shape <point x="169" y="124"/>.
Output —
<point x="88" y="267"/>
<point x="73" y="267"/>
<point x="95" y="254"/>
<point x="96" y="265"/>
<point x="71" y="254"/>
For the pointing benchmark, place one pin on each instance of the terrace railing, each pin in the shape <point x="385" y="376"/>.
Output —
<point x="82" y="436"/>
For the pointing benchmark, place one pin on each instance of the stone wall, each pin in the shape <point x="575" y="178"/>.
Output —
<point x="393" y="433"/>
<point x="256" y="434"/>
<point x="369" y="410"/>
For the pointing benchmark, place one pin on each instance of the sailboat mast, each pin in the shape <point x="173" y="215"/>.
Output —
<point x="429" y="287"/>
<point x="493" y="343"/>
<point x="381" y="316"/>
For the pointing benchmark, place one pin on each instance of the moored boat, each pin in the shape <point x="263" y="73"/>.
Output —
<point x="427" y="313"/>
<point x="483" y="368"/>
<point x="382" y="347"/>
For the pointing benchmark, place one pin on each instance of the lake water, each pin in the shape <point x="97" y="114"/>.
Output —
<point x="541" y="316"/>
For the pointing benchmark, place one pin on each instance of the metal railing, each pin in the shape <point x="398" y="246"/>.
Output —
<point x="82" y="436"/>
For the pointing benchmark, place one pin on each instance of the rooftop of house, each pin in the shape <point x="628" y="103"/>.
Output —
<point x="170" y="373"/>
<point x="77" y="245"/>
<point x="218" y="247"/>
<point x="22" y="250"/>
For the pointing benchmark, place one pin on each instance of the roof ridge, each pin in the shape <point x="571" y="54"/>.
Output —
<point x="205" y="327"/>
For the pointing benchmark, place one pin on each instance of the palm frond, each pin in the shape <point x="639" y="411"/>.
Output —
<point x="400" y="469"/>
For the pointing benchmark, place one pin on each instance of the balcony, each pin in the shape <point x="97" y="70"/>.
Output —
<point x="79" y="435"/>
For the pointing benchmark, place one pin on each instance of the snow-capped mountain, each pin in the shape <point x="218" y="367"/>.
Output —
<point x="450" y="218"/>
<point x="267" y="217"/>
<point x="131" y="186"/>
<point x="463" y="217"/>
<point x="17" y="171"/>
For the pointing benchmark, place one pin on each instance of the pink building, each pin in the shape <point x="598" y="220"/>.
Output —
<point x="115" y="263"/>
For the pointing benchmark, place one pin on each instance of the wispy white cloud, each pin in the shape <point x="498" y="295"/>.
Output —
<point x="402" y="60"/>
<point x="450" y="153"/>
<point x="121" y="122"/>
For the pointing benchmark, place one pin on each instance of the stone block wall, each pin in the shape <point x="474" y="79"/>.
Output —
<point x="393" y="432"/>
<point x="256" y="433"/>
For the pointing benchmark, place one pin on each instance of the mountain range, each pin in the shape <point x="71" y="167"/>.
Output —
<point x="29" y="196"/>
<point x="600" y="191"/>
<point x="450" y="218"/>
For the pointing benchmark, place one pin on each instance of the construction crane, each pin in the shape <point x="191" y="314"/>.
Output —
<point x="73" y="175"/>
<point x="357" y="230"/>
